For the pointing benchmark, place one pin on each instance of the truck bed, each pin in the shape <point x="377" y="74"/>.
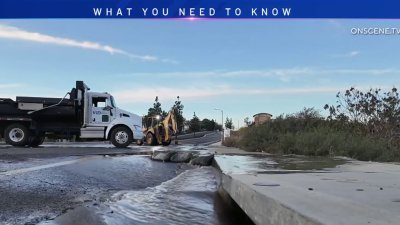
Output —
<point x="8" y="107"/>
<point x="65" y="111"/>
<point x="45" y="101"/>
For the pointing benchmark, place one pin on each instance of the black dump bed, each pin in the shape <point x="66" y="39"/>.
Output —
<point x="45" y="101"/>
<point x="68" y="110"/>
<point x="64" y="111"/>
<point x="8" y="107"/>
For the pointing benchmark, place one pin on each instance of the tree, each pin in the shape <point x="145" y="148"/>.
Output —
<point x="374" y="111"/>
<point x="194" y="124"/>
<point x="308" y="114"/>
<point x="208" y="125"/>
<point x="180" y="120"/>
<point x="156" y="110"/>
<point x="229" y="123"/>
<point x="247" y="121"/>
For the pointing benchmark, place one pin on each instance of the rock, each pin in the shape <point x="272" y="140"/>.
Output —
<point x="162" y="156"/>
<point x="203" y="160"/>
<point x="181" y="157"/>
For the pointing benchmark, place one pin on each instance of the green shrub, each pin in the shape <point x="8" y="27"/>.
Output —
<point x="315" y="137"/>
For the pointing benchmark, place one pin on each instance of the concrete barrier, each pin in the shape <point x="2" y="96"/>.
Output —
<point x="352" y="193"/>
<point x="260" y="208"/>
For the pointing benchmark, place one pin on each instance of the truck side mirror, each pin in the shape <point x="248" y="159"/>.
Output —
<point x="107" y="108"/>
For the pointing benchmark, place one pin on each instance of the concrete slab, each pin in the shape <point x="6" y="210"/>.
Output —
<point x="353" y="193"/>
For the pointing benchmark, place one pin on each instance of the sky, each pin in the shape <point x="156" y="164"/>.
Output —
<point x="243" y="67"/>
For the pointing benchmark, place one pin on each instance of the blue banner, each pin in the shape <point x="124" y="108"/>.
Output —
<point x="193" y="9"/>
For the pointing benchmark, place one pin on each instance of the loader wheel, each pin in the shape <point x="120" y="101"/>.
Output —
<point x="121" y="137"/>
<point x="166" y="143"/>
<point x="16" y="135"/>
<point x="150" y="139"/>
<point x="35" y="141"/>
<point x="139" y="142"/>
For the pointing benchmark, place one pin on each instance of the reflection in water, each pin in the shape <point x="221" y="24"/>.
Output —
<point x="250" y="164"/>
<point x="189" y="198"/>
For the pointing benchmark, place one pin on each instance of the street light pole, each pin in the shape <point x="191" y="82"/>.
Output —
<point x="222" y="124"/>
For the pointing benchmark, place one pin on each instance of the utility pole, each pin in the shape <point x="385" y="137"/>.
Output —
<point x="222" y="124"/>
<point x="176" y="112"/>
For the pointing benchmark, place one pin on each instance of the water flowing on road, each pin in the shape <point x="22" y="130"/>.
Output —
<point x="185" y="199"/>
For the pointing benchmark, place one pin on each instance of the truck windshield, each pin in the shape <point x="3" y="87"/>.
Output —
<point x="112" y="102"/>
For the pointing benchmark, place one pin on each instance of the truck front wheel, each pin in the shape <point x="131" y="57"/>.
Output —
<point x="16" y="135"/>
<point x="121" y="137"/>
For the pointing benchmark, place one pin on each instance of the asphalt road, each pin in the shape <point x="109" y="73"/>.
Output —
<point x="50" y="150"/>
<point x="39" y="184"/>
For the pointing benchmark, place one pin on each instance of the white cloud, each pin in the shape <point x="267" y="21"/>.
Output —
<point x="284" y="75"/>
<point x="4" y="86"/>
<point x="15" y="33"/>
<point x="351" y="54"/>
<point x="142" y="94"/>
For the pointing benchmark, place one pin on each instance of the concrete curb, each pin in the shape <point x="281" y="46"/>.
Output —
<point x="352" y="193"/>
<point x="260" y="208"/>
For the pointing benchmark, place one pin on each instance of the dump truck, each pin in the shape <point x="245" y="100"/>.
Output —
<point x="160" y="131"/>
<point x="26" y="121"/>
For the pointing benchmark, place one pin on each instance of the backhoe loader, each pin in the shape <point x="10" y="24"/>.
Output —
<point x="160" y="132"/>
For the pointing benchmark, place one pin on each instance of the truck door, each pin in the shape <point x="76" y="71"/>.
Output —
<point x="100" y="110"/>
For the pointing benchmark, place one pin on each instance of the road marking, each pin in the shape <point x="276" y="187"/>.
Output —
<point x="35" y="168"/>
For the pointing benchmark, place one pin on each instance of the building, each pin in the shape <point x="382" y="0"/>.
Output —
<point x="260" y="118"/>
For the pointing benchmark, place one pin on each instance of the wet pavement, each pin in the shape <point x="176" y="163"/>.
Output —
<point x="189" y="198"/>
<point x="273" y="164"/>
<point x="32" y="194"/>
<point x="38" y="185"/>
<point x="94" y="183"/>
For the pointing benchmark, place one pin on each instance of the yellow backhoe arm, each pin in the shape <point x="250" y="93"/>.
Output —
<point x="169" y="123"/>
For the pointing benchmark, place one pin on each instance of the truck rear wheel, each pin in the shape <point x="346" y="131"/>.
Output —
<point x="35" y="141"/>
<point x="121" y="137"/>
<point x="16" y="135"/>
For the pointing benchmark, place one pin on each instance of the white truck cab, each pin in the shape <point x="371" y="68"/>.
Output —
<point x="103" y="119"/>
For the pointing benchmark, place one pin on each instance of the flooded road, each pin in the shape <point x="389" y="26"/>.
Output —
<point x="189" y="198"/>
<point x="74" y="184"/>
<point x="109" y="189"/>
<point x="185" y="199"/>
<point x="48" y="189"/>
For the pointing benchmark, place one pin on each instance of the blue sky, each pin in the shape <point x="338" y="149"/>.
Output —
<point x="241" y="66"/>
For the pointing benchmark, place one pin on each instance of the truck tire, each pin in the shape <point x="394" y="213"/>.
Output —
<point x="121" y="137"/>
<point x="150" y="139"/>
<point x="16" y="135"/>
<point x="35" y="141"/>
